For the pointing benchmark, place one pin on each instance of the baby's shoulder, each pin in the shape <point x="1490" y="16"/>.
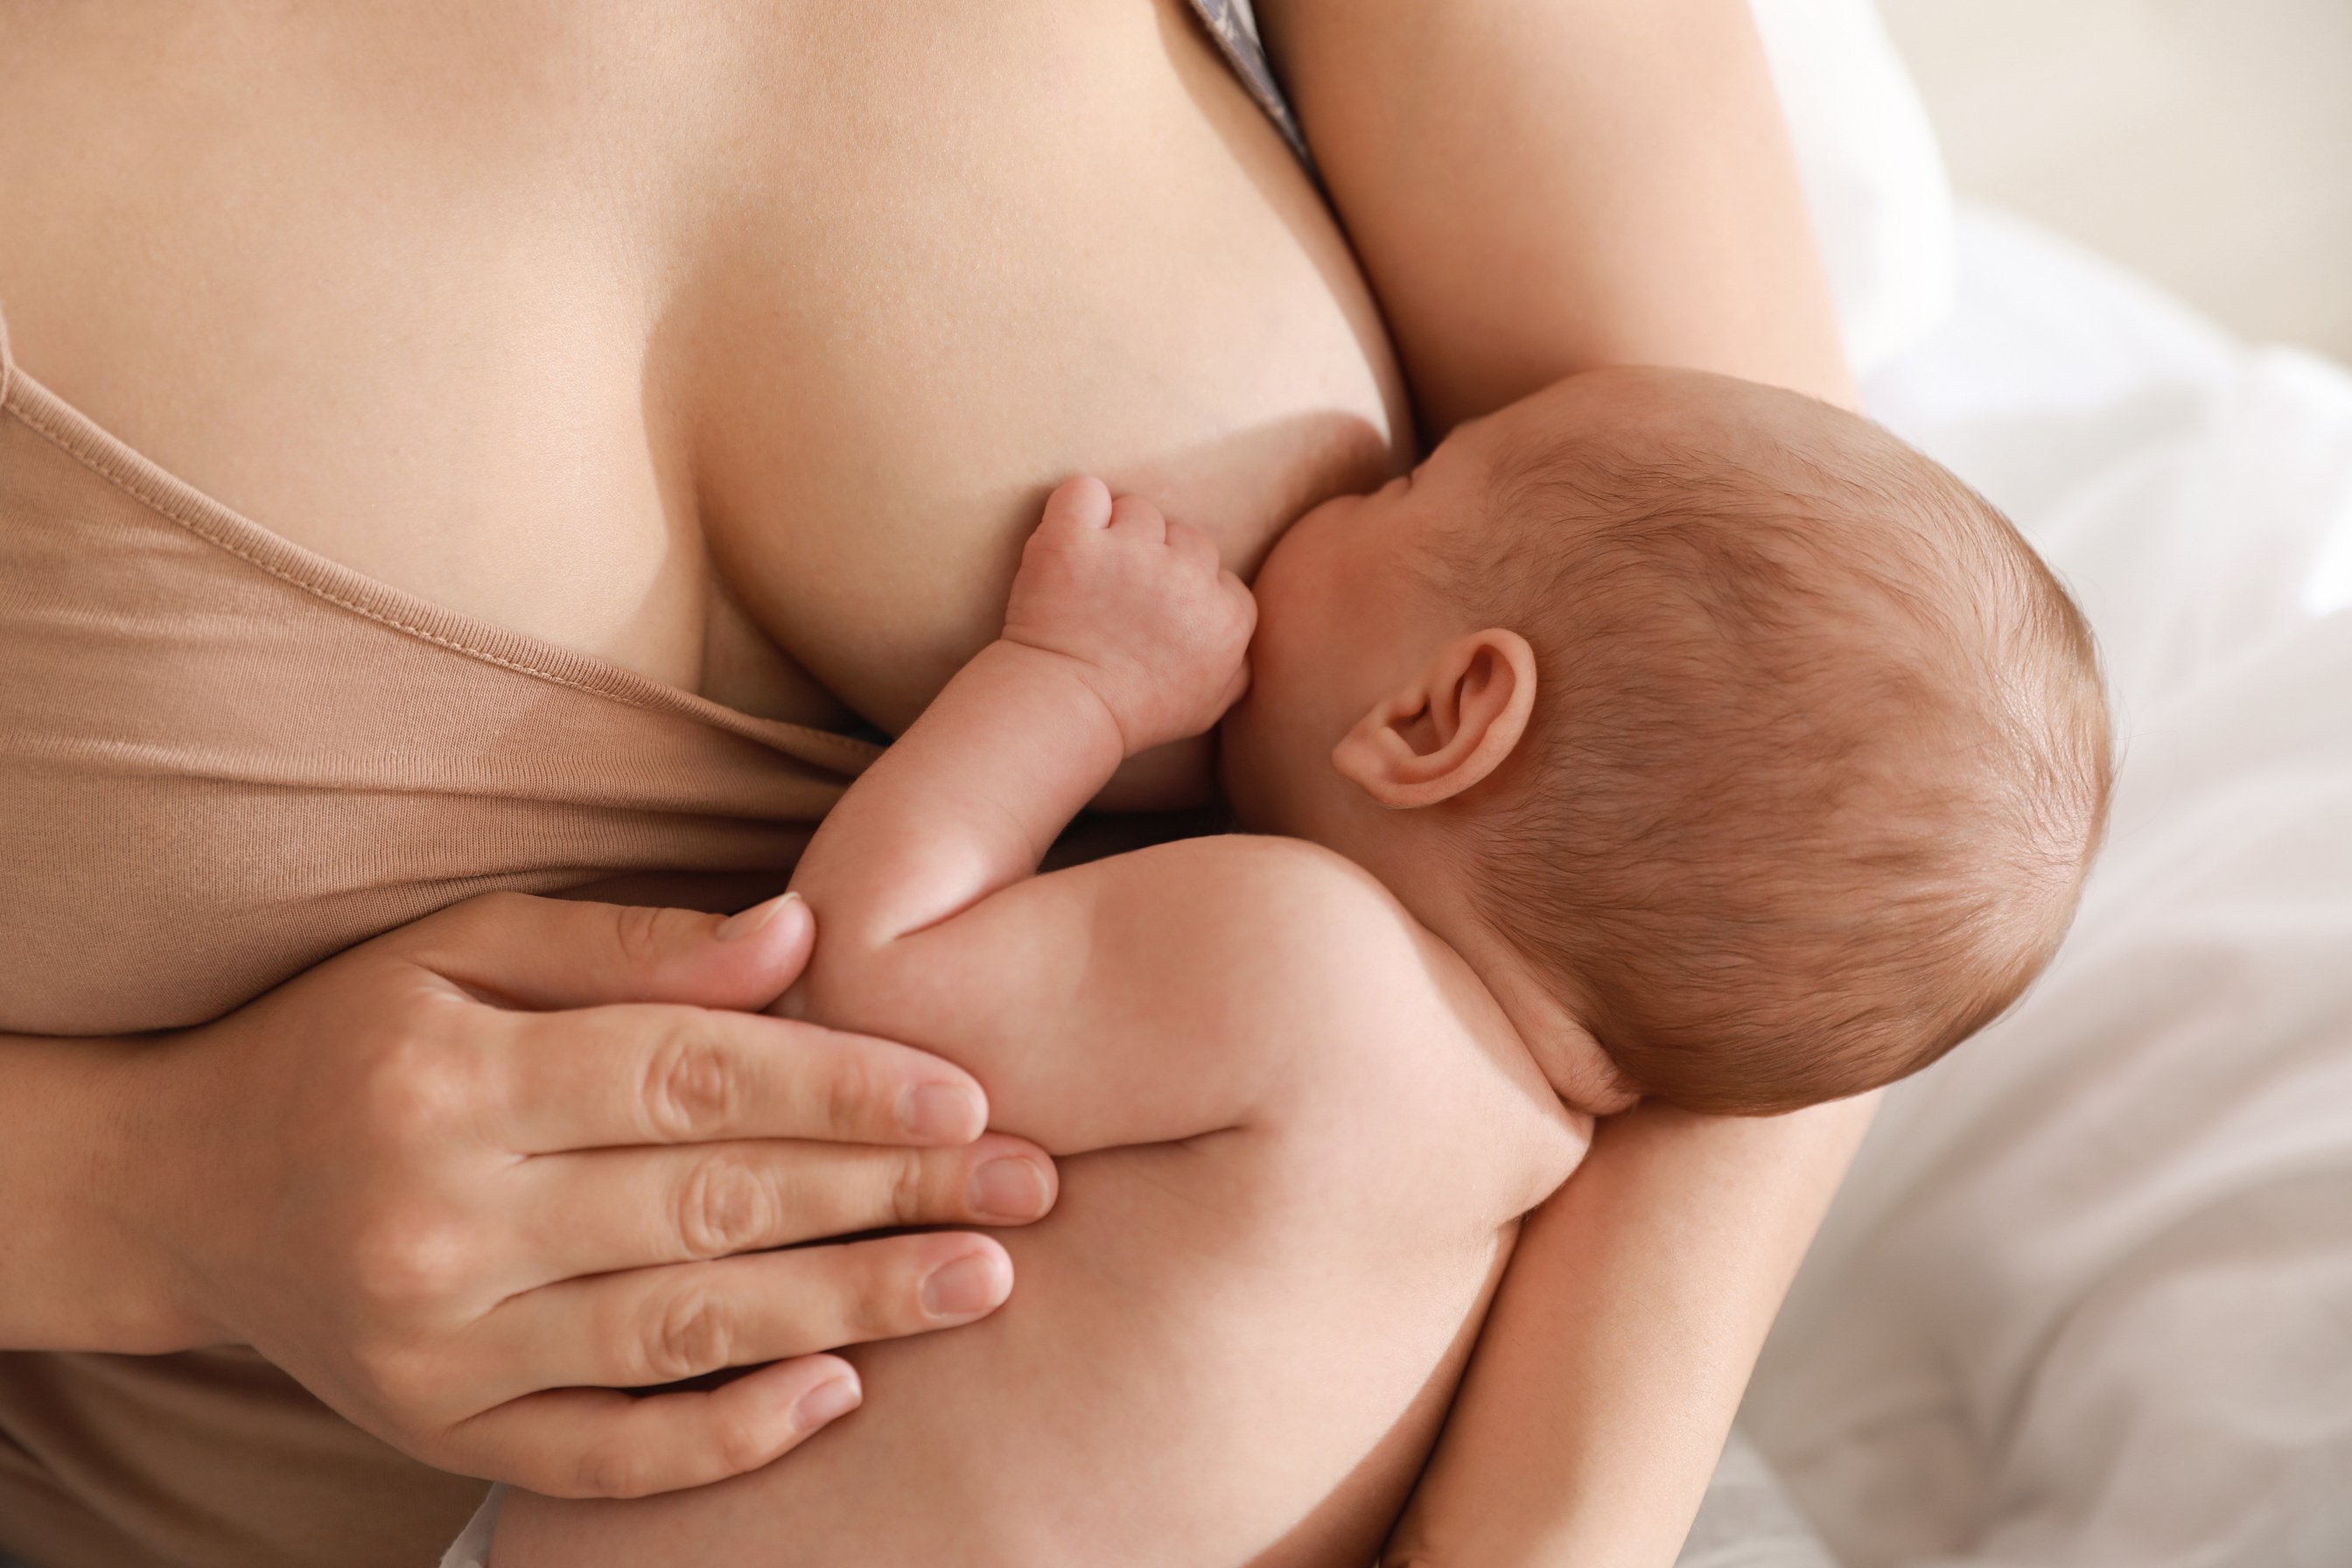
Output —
<point x="1263" y="860"/>
<point x="1396" y="1044"/>
<point x="1311" y="942"/>
<point x="1250" y="888"/>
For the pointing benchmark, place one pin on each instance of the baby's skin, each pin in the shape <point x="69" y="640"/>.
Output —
<point x="1298" y="1102"/>
<point x="1823" y="760"/>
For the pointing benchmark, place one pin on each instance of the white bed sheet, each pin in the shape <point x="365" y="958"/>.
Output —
<point x="2087" y="1297"/>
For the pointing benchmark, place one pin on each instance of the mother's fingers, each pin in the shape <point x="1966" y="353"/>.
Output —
<point x="653" y="1326"/>
<point x="595" y="1443"/>
<point x="632" y="1074"/>
<point x="538" y="953"/>
<point x="631" y="1208"/>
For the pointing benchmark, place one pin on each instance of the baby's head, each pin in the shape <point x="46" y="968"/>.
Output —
<point x="1717" y="727"/>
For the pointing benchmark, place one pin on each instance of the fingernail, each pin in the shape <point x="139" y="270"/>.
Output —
<point x="967" y="1288"/>
<point x="746" y="922"/>
<point x="828" y="1401"/>
<point x="1008" y="1189"/>
<point x="942" y="1113"/>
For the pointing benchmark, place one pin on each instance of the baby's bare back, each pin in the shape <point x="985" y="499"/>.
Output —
<point x="1228" y="1347"/>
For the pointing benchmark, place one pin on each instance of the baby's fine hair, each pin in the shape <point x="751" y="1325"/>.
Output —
<point x="1819" y="752"/>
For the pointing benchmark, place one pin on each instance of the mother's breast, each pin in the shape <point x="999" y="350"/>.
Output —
<point x="969" y="250"/>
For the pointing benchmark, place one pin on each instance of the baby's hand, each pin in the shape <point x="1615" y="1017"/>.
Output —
<point x="1140" y="607"/>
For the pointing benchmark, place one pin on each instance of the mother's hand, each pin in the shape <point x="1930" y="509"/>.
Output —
<point x="468" y="1179"/>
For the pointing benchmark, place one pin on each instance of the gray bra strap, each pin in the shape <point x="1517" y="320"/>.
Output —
<point x="1233" y="24"/>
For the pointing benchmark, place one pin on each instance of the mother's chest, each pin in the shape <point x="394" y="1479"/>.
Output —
<point x="970" y="286"/>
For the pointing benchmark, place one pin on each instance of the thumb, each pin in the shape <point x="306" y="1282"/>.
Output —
<point x="552" y="953"/>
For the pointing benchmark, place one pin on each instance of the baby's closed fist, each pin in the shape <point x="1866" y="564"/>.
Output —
<point x="1151" y="622"/>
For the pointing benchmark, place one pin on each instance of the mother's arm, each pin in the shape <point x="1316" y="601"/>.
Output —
<point x="1537" y="187"/>
<point x="1618" y="1346"/>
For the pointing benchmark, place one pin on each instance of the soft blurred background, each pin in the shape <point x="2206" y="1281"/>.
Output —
<point x="2204" y="143"/>
<point x="2086" y="1298"/>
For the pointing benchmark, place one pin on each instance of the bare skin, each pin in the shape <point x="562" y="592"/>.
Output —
<point x="1312" y="1104"/>
<point x="797" y="440"/>
<point x="710" y="341"/>
<point x="532" y="365"/>
<point x="1297" y="1129"/>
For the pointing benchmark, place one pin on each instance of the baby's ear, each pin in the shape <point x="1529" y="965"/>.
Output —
<point x="1448" y="727"/>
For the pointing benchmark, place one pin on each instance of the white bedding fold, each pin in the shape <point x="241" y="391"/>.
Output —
<point x="2088" y="1296"/>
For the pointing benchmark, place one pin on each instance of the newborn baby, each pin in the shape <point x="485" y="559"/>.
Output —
<point x="1661" y="735"/>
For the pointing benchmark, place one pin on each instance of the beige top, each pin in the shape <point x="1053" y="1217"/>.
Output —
<point x="223" y="758"/>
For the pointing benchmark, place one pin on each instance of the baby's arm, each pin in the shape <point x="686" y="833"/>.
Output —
<point x="1122" y="633"/>
<point x="1225" y="1349"/>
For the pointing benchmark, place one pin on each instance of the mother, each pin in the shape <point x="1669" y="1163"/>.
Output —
<point x="507" y="446"/>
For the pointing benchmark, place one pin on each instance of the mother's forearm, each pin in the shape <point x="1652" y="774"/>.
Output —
<point x="73" y="1273"/>
<point x="1606" y="1378"/>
